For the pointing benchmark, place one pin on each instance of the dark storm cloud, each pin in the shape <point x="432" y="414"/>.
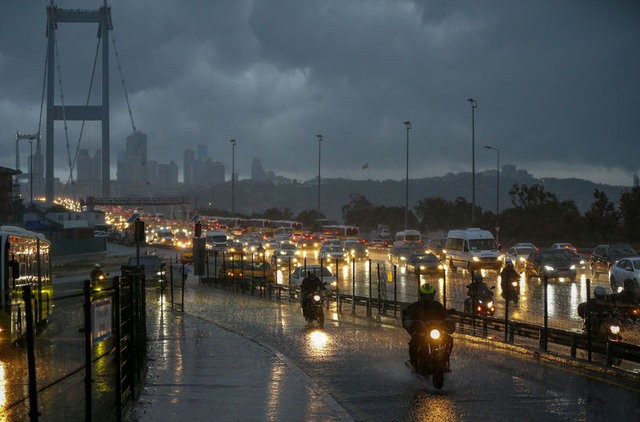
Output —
<point x="556" y="82"/>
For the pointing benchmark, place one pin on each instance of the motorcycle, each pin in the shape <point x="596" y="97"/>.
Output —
<point x="511" y="289"/>
<point x="98" y="280"/>
<point x="312" y="310"/>
<point x="605" y="322"/>
<point x="434" y="345"/>
<point x="482" y="302"/>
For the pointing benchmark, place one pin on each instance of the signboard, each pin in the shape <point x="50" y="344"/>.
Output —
<point x="101" y="312"/>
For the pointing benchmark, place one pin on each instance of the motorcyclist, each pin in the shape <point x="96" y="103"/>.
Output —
<point x="423" y="310"/>
<point x="97" y="273"/>
<point x="310" y="284"/>
<point x="600" y="304"/>
<point x="507" y="276"/>
<point x="477" y="288"/>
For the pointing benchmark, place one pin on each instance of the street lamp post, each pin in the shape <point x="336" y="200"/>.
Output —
<point x="406" y="188"/>
<point x="497" y="191"/>
<point x="319" y="150"/>
<point x="474" y="104"/>
<point x="233" y="175"/>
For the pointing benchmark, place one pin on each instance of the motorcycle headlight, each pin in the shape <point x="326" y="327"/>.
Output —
<point x="615" y="329"/>
<point x="514" y="283"/>
<point x="490" y="304"/>
<point x="316" y="298"/>
<point x="434" y="334"/>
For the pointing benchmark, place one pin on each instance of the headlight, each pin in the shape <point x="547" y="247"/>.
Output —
<point x="434" y="334"/>
<point x="548" y="267"/>
<point x="316" y="298"/>
<point x="422" y="267"/>
<point x="573" y="267"/>
<point x="476" y="259"/>
<point x="490" y="304"/>
<point x="615" y="329"/>
<point x="522" y="259"/>
<point x="514" y="283"/>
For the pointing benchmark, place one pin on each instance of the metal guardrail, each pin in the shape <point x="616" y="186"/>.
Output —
<point x="613" y="351"/>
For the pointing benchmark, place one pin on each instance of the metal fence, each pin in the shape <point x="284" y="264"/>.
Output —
<point x="379" y="291"/>
<point x="90" y="360"/>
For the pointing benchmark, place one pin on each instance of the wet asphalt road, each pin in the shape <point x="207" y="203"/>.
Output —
<point x="360" y="363"/>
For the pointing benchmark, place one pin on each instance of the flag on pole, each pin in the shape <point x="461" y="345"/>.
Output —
<point x="365" y="166"/>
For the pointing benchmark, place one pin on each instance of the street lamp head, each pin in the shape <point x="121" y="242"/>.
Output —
<point x="408" y="124"/>
<point x="473" y="102"/>
<point x="233" y="141"/>
<point x="319" y="138"/>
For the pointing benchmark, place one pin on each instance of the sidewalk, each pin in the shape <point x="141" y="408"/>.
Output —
<point x="199" y="371"/>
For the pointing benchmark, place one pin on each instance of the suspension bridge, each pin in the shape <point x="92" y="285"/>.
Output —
<point x="94" y="108"/>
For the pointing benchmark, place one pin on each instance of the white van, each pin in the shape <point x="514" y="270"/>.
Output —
<point x="472" y="249"/>
<point x="217" y="240"/>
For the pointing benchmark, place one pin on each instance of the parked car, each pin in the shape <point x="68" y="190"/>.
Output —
<point x="424" y="263"/>
<point x="327" y="277"/>
<point x="519" y="253"/>
<point x="625" y="268"/>
<point x="550" y="263"/>
<point x="604" y="256"/>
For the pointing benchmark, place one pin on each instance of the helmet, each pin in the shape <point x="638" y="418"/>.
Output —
<point x="97" y="266"/>
<point x="599" y="292"/>
<point x="427" y="292"/>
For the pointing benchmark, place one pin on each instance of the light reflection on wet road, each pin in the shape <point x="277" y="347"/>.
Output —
<point x="361" y="364"/>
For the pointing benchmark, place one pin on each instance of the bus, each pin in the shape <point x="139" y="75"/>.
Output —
<point x="25" y="260"/>
<point x="408" y="237"/>
<point x="341" y="231"/>
<point x="287" y="227"/>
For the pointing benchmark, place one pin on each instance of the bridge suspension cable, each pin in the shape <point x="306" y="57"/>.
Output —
<point x="64" y="116"/>
<point x="93" y="73"/>
<point x="124" y="87"/>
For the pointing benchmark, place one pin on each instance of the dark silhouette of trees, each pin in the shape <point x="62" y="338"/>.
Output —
<point x="630" y="215"/>
<point x="602" y="219"/>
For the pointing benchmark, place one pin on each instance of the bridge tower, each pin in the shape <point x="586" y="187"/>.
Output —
<point x="100" y="113"/>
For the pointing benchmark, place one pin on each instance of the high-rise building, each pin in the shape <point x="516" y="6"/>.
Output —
<point x="257" y="172"/>
<point x="189" y="158"/>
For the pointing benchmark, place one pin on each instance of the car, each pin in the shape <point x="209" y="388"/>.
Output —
<point x="552" y="264"/>
<point x="259" y="271"/>
<point x="299" y="274"/>
<point x="154" y="268"/>
<point x="623" y="269"/>
<point x="519" y="253"/>
<point x="564" y="245"/>
<point x="400" y="253"/>
<point x="285" y="254"/>
<point x="424" y="263"/>
<point x="604" y="256"/>
<point x="356" y="250"/>
<point x="332" y="253"/>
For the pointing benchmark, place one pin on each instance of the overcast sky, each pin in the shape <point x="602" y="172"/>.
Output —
<point x="557" y="84"/>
